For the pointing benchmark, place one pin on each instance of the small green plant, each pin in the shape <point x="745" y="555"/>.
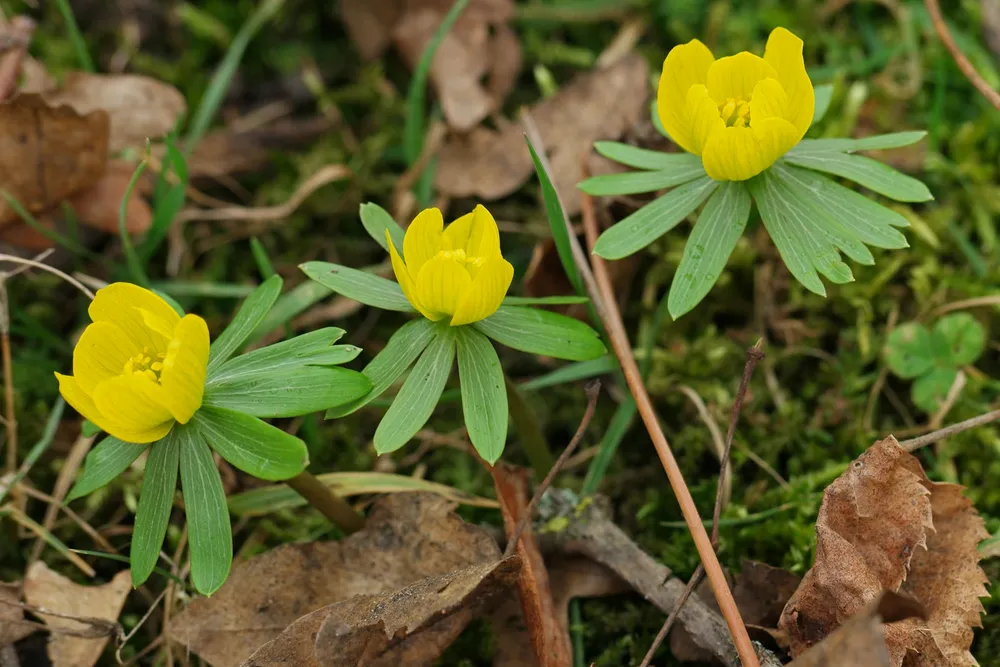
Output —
<point x="933" y="357"/>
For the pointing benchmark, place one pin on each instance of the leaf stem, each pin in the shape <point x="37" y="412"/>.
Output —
<point x="330" y="505"/>
<point x="533" y="441"/>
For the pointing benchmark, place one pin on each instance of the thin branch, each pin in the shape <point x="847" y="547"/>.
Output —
<point x="914" y="444"/>
<point x="593" y="390"/>
<point x="934" y="9"/>
<point x="45" y="267"/>
<point x="692" y="583"/>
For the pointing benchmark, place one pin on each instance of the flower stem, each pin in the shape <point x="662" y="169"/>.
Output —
<point x="330" y="505"/>
<point x="536" y="448"/>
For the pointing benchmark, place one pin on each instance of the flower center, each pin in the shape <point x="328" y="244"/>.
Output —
<point x="460" y="257"/>
<point x="145" y="363"/>
<point x="735" y="112"/>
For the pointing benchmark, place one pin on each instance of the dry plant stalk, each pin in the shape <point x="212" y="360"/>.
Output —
<point x="934" y="9"/>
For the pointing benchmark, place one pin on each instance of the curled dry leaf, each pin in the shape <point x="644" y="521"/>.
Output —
<point x="884" y="526"/>
<point x="48" y="153"/>
<point x="600" y="104"/>
<point x="13" y="625"/>
<point x="480" y="45"/>
<point x="51" y="591"/>
<point x="408" y="539"/>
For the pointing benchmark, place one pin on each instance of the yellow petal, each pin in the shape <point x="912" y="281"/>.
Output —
<point x="423" y="238"/>
<point x="686" y="65"/>
<point x="183" y="376"/>
<point x="739" y="153"/>
<point x="784" y="53"/>
<point x="405" y="279"/>
<point x="79" y="399"/>
<point x="456" y="235"/>
<point x="131" y="410"/>
<point x="101" y="354"/>
<point x="768" y="101"/>
<point x="476" y="233"/>
<point x="157" y="324"/>
<point x="735" y="77"/>
<point x="703" y="117"/>
<point x="486" y="292"/>
<point x="122" y="303"/>
<point x="441" y="284"/>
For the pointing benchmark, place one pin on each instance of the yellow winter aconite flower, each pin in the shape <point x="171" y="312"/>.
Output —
<point x="739" y="113"/>
<point x="456" y="272"/>
<point x="139" y="367"/>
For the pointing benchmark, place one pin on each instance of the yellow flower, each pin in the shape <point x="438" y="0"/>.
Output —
<point x="739" y="113"/>
<point x="139" y="367"/>
<point x="456" y="272"/>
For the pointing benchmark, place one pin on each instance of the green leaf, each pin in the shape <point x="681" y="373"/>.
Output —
<point x="209" y="532"/>
<point x="871" y="222"/>
<point x="707" y="250"/>
<point x="963" y="336"/>
<point x="635" y="182"/>
<point x="89" y="429"/>
<point x="824" y="95"/>
<point x="644" y="158"/>
<point x="155" y="502"/>
<point x="419" y="394"/>
<point x="544" y="300"/>
<point x="909" y="350"/>
<point x="580" y="370"/>
<point x="315" y="348"/>
<point x="484" y="399"/>
<point x="291" y="303"/>
<point x="110" y="458"/>
<point x="929" y="391"/>
<point x="653" y="220"/>
<point x="403" y="348"/>
<point x="289" y="391"/>
<point x="654" y="116"/>
<point x="873" y="143"/>
<point x="542" y="332"/>
<point x="249" y="316"/>
<point x="362" y="286"/>
<point x="558" y="224"/>
<point x="251" y="445"/>
<point x="376" y="221"/>
<point x="792" y="226"/>
<point x="866" y="172"/>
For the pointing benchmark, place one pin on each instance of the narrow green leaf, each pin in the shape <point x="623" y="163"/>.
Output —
<point x="248" y="318"/>
<point x="132" y="260"/>
<point x="484" y="399"/>
<point x="209" y="532"/>
<point x="866" y="172"/>
<point x="529" y="432"/>
<point x="871" y="222"/>
<point x="110" y="458"/>
<point x="155" y="502"/>
<point x="419" y="394"/>
<point x="399" y="353"/>
<point x="635" y="182"/>
<point x="708" y="248"/>
<point x="288" y="392"/>
<point x="873" y="143"/>
<point x="376" y="221"/>
<point x="618" y="427"/>
<point x="362" y="286"/>
<point x="293" y="302"/>
<point x="653" y="220"/>
<point x="264" y="265"/>
<point x="315" y="348"/>
<point x="76" y="38"/>
<point x="824" y="95"/>
<point x="929" y="391"/>
<point x="643" y="158"/>
<point x="963" y="336"/>
<point x="654" y="116"/>
<point x="580" y="370"/>
<point x="89" y="428"/>
<point x="542" y="332"/>
<point x="558" y="224"/>
<point x="909" y="351"/>
<point x="251" y="445"/>
<point x="124" y="559"/>
<point x="544" y="300"/>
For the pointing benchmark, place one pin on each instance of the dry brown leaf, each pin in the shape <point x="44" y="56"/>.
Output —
<point x="883" y="522"/>
<point x="860" y="641"/>
<point x="990" y="12"/>
<point x="48" y="153"/>
<point x="600" y="104"/>
<point x="549" y="637"/>
<point x="407" y="538"/>
<point x="49" y="590"/>
<point x="13" y="625"/>
<point x="139" y="107"/>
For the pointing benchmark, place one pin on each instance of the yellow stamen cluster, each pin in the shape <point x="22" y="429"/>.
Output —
<point x="735" y="112"/>
<point x="142" y="364"/>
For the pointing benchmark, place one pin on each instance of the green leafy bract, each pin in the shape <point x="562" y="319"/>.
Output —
<point x="315" y="348"/>
<point x="872" y="143"/>
<point x="686" y="167"/>
<point x="377" y="221"/>
<point x="484" y="398"/>
<point x="362" y="286"/>
<point x="110" y="458"/>
<point x="823" y="96"/>
<point x="251" y="445"/>
<point x="155" y="501"/>
<point x="542" y="332"/>
<point x="250" y="315"/>
<point x="866" y="172"/>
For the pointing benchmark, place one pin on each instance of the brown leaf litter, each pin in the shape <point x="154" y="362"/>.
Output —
<point x="884" y="525"/>
<point x="13" y="625"/>
<point x="600" y="104"/>
<point x="479" y="46"/>
<point x="397" y="592"/>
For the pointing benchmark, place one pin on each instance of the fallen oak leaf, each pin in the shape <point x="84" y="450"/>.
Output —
<point x="13" y="625"/>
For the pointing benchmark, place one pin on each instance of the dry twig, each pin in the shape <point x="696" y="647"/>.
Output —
<point x="934" y="9"/>
<point x="914" y="444"/>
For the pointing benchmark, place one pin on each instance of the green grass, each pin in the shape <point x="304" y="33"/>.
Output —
<point x="805" y="414"/>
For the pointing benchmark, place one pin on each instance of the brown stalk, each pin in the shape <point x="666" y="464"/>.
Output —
<point x="914" y="444"/>
<point x="330" y="505"/>
<point x="934" y="9"/>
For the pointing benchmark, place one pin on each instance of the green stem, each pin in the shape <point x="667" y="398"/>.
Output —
<point x="330" y="505"/>
<point x="536" y="448"/>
